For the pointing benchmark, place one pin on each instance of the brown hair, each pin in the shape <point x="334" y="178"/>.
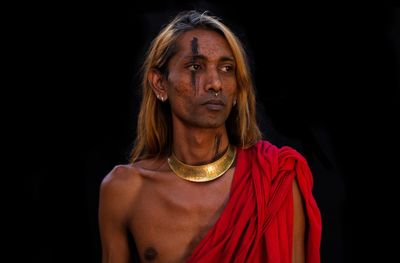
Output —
<point x="154" y="129"/>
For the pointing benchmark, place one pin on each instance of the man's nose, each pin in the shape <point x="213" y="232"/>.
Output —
<point x="213" y="80"/>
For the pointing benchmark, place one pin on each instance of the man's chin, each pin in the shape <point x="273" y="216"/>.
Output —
<point x="213" y="124"/>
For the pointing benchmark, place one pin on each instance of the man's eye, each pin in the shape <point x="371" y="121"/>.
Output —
<point x="227" y="68"/>
<point x="194" y="67"/>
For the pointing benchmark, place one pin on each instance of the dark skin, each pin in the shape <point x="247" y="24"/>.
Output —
<point x="167" y="215"/>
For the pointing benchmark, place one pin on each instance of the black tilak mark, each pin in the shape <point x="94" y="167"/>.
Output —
<point x="150" y="254"/>
<point x="195" y="51"/>
<point x="217" y="143"/>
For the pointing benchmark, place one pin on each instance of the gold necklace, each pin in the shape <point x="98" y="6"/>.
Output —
<point x="206" y="172"/>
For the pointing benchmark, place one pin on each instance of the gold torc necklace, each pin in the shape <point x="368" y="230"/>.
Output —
<point x="206" y="172"/>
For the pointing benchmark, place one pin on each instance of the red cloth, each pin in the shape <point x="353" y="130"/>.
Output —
<point x="257" y="222"/>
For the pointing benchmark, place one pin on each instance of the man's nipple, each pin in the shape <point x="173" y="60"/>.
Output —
<point x="150" y="254"/>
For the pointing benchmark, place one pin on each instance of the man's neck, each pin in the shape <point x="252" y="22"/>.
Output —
<point x="196" y="146"/>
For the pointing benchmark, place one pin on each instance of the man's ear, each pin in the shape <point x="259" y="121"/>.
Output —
<point x="158" y="84"/>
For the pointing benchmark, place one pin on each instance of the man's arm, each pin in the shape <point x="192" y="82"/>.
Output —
<point x="298" y="225"/>
<point x="113" y="214"/>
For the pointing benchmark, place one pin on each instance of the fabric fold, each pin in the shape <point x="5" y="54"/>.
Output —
<point x="257" y="222"/>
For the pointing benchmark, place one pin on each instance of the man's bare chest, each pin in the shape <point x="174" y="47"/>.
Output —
<point x="168" y="224"/>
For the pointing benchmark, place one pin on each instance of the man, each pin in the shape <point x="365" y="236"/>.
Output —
<point x="203" y="186"/>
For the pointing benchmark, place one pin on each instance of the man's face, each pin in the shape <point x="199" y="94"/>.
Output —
<point x="203" y="67"/>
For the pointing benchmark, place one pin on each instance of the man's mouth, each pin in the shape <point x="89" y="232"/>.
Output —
<point x="214" y="104"/>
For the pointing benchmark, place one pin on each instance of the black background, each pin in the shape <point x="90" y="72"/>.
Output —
<point x="327" y="79"/>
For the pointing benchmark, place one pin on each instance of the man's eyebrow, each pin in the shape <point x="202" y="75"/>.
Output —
<point x="227" y="58"/>
<point x="202" y="57"/>
<point x="195" y="57"/>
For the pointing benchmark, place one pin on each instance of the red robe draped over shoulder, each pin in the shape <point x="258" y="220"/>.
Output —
<point x="257" y="222"/>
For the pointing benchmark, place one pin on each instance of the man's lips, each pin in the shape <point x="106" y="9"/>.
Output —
<point x="214" y="104"/>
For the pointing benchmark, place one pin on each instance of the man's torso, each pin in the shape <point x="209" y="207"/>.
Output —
<point x="170" y="216"/>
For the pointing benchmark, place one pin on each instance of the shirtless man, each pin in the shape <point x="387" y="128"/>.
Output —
<point x="196" y="128"/>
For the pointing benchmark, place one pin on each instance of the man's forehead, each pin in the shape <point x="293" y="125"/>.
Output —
<point x="205" y="41"/>
<point x="200" y="33"/>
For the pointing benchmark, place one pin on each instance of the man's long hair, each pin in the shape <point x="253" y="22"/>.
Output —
<point x="154" y="129"/>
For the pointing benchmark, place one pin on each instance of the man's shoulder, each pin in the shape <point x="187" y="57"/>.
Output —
<point x="121" y="173"/>
<point x="132" y="174"/>
<point x="265" y="146"/>
<point x="262" y="147"/>
<point x="274" y="159"/>
<point x="120" y="177"/>
<point x="264" y="150"/>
